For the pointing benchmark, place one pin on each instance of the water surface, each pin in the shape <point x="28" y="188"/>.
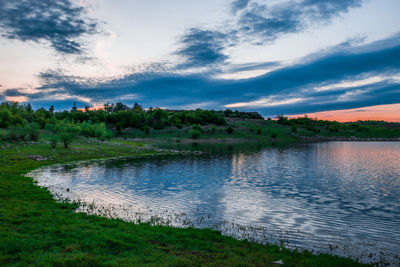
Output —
<point x="339" y="197"/>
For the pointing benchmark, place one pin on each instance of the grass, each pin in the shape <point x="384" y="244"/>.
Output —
<point x="37" y="230"/>
<point x="242" y="129"/>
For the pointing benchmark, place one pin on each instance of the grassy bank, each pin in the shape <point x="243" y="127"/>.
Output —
<point x="36" y="230"/>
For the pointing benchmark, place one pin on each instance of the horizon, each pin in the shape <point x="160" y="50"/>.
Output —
<point x="334" y="60"/>
<point x="336" y="115"/>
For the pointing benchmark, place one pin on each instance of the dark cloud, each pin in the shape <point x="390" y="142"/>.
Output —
<point x="268" y="23"/>
<point x="201" y="48"/>
<point x="298" y="81"/>
<point x="238" y="5"/>
<point x="256" y="23"/>
<point x="14" y="92"/>
<point x="57" y="21"/>
<point x="387" y="92"/>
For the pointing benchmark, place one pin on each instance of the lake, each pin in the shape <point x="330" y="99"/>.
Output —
<point x="336" y="197"/>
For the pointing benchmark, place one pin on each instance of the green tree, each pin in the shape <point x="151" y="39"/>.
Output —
<point x="66" y="138"/>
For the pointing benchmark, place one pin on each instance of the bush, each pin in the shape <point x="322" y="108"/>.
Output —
<point x="16" y="133"/>
<point x="33" y="131"/>
<point x="213" y="129"/>
<point x="229" y="130"/>
<point x="294" y="129"/>
<point x="274" y="135"/>
<point x="54" y="141"/>
<point x="119" y="127"/>
<point x="2" y="136"/>
<point x="101" y="131"/>
<point x="146" y="129"/>
<point x="195" y="134"/>
<point x="259" y="130"/>
<point x="66" y="138"/>
<point x="197" y="127"/>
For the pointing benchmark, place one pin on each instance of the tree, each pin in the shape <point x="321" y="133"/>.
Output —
<point x="137" y="107"/>
<point x="74" y="108"/>
<point x="66" y="139"/>
<point x="195" y="134"/>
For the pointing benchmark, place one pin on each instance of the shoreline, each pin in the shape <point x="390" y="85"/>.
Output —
<point x="65" y="227"/>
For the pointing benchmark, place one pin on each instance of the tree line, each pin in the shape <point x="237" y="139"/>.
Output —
<point x="22" y="121"/>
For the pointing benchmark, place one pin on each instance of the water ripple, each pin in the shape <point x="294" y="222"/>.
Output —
<point x="341" y="198"/>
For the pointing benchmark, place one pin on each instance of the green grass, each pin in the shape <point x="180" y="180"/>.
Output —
<point x="36" y="230"/>
<point x="242" y="129"/>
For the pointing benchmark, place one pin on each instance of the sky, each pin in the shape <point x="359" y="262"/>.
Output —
<point x="330" y="59"/>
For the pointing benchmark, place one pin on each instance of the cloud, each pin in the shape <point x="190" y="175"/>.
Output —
<point x="201" y="48"/>
<point x="256" y="23"/>
<point x="57" y="21"/>
<point x="267" y="23"/>
<point x="350" y="77"/>
<point x="238" y="5"/>
<point x="14" y="92"/>
<point x="233" y="68"/>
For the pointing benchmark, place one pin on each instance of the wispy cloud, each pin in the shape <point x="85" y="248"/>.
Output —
<point x="59" y="22"/>
<point x="257" y="23"/>
<point x="267" y="23"/>
<point x="202" y="48"/>
<point x="238" y="5"/>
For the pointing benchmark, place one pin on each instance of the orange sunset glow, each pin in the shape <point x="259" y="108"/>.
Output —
<point x="377" y="113"/>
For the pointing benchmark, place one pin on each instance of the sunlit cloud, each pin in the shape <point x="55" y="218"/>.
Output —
<point x="266" y="102"/>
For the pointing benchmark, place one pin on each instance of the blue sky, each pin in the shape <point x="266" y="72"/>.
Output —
<point x="271" y="56"/>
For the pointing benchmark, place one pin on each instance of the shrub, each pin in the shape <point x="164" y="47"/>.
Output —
<point x="294" y="129"/>
<point x="54" y="141"/>
<point x="146" y="129"/>
<point x="213" y="129"/>
<point x="229" y="130"/>
<point x="66" y="138"/>
<point x="2" y="136"/>
<point x="197" y="127"/>
<point x="33" y="131"/>
<point x="195" y="134"/>
<point x="259" y="130"/>
<point x="101" y="131"/>
<point x="16" y="133"/>
<point x="274" y="135"/>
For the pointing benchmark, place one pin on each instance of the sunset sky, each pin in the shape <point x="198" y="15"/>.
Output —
<point x="331" y="59"/>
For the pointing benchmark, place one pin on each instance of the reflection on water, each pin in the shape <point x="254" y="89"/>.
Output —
<point x="317" y="192"/>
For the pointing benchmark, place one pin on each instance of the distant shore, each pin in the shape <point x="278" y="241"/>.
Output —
<point x="344" y="138"/>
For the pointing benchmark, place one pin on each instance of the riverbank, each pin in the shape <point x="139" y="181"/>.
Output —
<point x="37" y="230"/>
